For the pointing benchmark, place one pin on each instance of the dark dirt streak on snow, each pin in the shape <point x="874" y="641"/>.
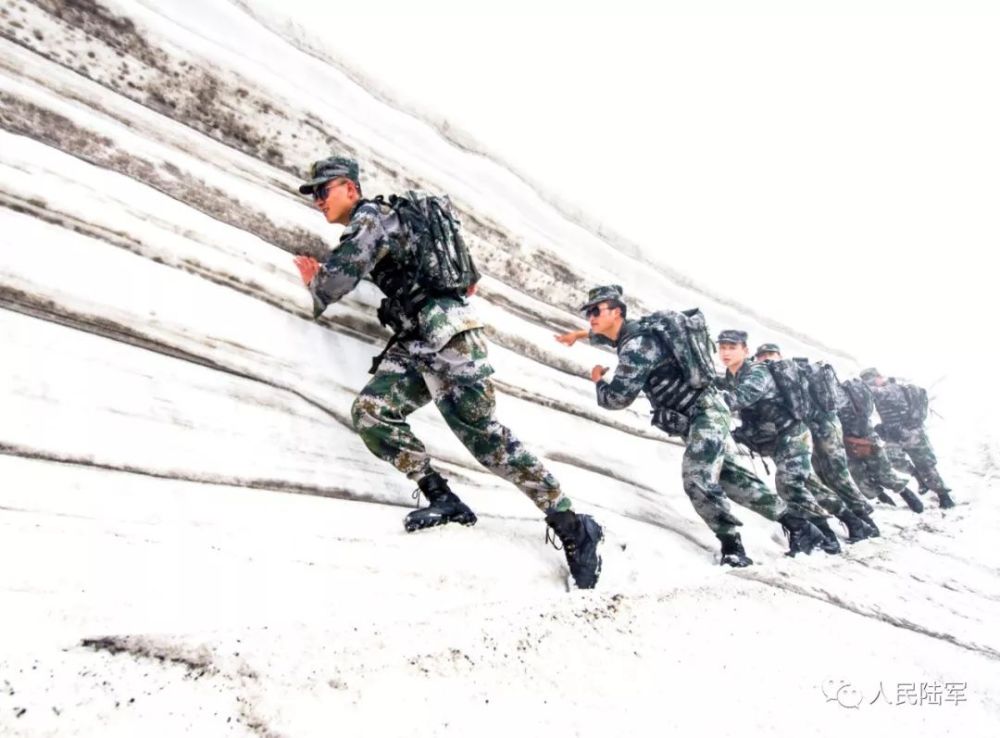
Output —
<point x="268" y="485"/>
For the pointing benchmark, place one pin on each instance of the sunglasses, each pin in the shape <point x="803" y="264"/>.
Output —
<point x="320" y="192"/>
<point x="596" y="310"/>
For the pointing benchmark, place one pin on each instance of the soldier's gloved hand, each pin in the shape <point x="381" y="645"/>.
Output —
<point x="597" y="372"/>
<point x="308" y="268"/>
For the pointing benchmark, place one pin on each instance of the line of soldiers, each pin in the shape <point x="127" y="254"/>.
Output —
<point x="789" y="411"/>
<point x="411" y="247"/>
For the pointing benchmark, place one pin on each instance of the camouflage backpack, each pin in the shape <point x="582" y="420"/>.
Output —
<point x="918" y="405"/>
<point x="793" y="387"/>
<point x="860" y="397"/>
<point x="686" y="334"/>
<point x="442" y="264"/>
<point x="821" y="381"/>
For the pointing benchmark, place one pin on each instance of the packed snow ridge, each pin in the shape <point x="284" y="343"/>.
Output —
<point x="163" y="390"/>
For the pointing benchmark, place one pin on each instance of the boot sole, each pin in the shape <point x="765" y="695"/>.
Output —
<point x="590" y="525"/>
<point x="467" y="520"/>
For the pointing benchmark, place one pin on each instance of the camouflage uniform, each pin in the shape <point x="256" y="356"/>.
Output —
<point x="771" y="431"/>
<point x="441" y="356"/>
<point x="710" y="470"/>
<point x="903" y="438"/>
<point x="873" y="472"/>
<point x="831" y="463"/>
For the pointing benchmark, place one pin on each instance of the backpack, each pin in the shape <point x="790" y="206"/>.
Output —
<point x="793" y="387"/>
<point x="860" y="397"/>
<point x="821" y="381"/>
<point x="686" y="334"/>
<point x="442" y="263"/>
<point x="918" y="404"/>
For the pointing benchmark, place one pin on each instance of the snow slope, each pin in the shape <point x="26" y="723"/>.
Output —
<point x="195" y="541"/>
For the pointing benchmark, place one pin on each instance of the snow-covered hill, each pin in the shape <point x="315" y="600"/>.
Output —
<point x="193" y="539"/>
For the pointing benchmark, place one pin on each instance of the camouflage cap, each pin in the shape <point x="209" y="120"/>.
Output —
<point x="732" y="336"/>
<point x="606" y="293"/>
<point x="869" y="374"/>
<point x="330" y="168"/>
<point x="767" y="348"/>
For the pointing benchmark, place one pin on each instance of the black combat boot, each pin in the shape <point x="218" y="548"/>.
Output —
<point x="803" y="536"/>
<point x="444" y="507"/>
<point x="830" y="543"/>
<point x="866" y="518"/>
<point x="857" y="530"/>
<point x="883" y="497"/>
<point x="732" y="551"/>
<point x="945" y="499"/>
<point x="912" y="501"/>
<point x="580" y="535"/>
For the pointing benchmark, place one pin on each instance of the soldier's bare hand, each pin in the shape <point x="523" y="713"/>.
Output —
<point x="597" y="372"/>
<point x="567" y="339"/>
<point x="308" y="268"/>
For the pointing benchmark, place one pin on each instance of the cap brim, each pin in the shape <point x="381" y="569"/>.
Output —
<point x="308" y="187"/>
<point x="587" y="305"/>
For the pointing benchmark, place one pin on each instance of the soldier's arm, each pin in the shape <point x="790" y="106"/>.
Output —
<point x="568" y="339"/>
<point x="362" y="244"/>
<point x="753" y="387"/>
<point x="635" y="361"/>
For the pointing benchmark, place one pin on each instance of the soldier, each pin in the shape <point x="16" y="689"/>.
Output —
<point x="829" y="457"/>
<point x="769" y="427"/>
<point x="866" y="456"/>
<point x="667" y="356"/>
<point x="437" y="352"/>
<point x="903" y="410"/>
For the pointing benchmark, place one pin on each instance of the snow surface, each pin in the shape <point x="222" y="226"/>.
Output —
<point x="194" y="541"/>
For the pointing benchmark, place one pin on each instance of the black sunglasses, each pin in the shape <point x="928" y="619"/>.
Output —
<point x="321" y="191"/>
<point x="596" y="310"/>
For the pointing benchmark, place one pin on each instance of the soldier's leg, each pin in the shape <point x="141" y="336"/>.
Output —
<point x="863" y="477"/>
<point x="830" y="460"/>
<point x="825" y="496"/>
<point x="379" y="414"/>
<point x="917" y="446"/>
<point x="702" y="465"/>
<point x="468" y="408"/>
<point x="898" y="459"/>
<point x="793" y="470"/>
<point x="880" y="469"/>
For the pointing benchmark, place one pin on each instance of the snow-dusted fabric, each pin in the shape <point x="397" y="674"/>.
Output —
<point x="403" y="384"/>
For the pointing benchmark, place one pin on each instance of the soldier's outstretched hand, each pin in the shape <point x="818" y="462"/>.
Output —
<point x="597" y="372"/>
<point x="308" y="267"/>
<point x="568" y="339"/>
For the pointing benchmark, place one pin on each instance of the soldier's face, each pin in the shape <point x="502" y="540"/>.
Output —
<point x="732" y="354"/>
<point x="769" y="356"/>
<point x="604" y="320"/>
<point x="336" y="199"/>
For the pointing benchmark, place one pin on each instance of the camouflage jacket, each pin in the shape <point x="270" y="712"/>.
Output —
<point x="645" y="364"/>
<point x="892" y="404"/>
<point x="374" y="238"/>
<point x="753" y="393"/>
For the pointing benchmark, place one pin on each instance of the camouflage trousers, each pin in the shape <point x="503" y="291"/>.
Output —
<point x="795" y="479"/>
<point x="830" y="462"/>
<point x="922" y="463"/>
<point x="454" y="380"/>
<point x="711" y="472"/>
<point x="874" y="473"/>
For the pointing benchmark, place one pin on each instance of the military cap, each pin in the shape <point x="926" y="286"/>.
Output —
<point x="767" y="348"/>
<point x="869" y="374"/>
<point x="732" y="336"/>
<point x="606" y="293"/>
<point x="324" y="170"/>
